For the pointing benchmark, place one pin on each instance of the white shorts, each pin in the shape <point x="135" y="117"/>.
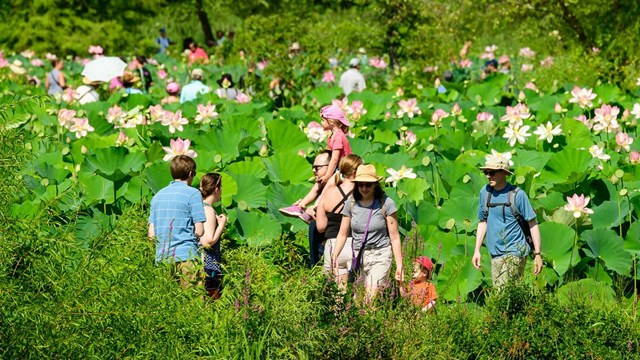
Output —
<point x="376" y="266"/>
<point x="344" y="259"/>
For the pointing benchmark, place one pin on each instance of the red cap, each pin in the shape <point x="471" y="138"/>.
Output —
<point x="425" y="261"/>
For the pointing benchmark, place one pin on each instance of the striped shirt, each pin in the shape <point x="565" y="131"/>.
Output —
<point x="174" y="211"/>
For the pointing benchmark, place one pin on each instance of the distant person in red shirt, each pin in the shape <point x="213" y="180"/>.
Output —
<point x="197" y="54"/>
<point x="421" y="291"/>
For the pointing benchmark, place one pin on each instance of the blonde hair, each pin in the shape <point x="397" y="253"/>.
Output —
<point x="347" y="166"/>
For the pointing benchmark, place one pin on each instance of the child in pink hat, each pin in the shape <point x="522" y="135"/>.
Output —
<point x="173" y="89"/>
<point x="333" y="119"/>
<point x="421" y="291"/>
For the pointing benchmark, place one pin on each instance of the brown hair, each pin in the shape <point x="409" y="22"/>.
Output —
<point x="209" y="183"/>
<point x="348" y="166"/>
<point x="182" y="167"/>
<point x="338" y="123"/>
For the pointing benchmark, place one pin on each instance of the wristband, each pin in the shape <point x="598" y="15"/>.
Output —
<point x="537" y="253"/>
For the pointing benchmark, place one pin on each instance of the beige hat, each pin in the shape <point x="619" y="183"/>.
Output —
<point x="295" y="46"/>
<point x="366" y="173"/>
<point x="497" y="163"/>
<point x="197" y="73"/>
<point x="129" y="78"/>
<point x="16" y="67"/>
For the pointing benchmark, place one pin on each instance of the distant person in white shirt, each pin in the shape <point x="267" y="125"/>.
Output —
<point x="352" y="80"/>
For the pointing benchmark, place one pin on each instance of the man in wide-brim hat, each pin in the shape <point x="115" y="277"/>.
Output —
<point x="506" y="240"/>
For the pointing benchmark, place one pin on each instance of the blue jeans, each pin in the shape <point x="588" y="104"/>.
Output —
<point x="316" y="245"/>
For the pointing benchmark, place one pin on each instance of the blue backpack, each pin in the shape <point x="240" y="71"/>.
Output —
<point x="511" y="203"/>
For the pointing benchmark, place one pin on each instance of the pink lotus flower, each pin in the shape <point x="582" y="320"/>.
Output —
<point x="241" y="54"/>
<point x="488" y="55"/>
<point x="547" y="62"/>
<point x="36" y="62"/>
<point x="328" y="77"/>
<point x="85" y="61"/>
<point x="407" y="138"/>
<point x="377" y="63"/>
<point x="409" y="108"/>
<point x="531" y="86"/>
<point x="205" y="114"/>
<point x="484" y="116"/>
<point x="583" y="97"/>
<point x="515" y="114"/>
<point x="3" y="63"/>
<point x="162" y="74"/>
<point x="114" y="114"/>
<point x="491" y="48"/>
<point x="634" y="157"/>
<point x="68" y="95"/>
<point x="455" y="110"/>
<point x="178" y="147"/>
<point x="438" y="115"/>
<point x="504" y="59"/>
<point x="605" y="118"/>
<point x="357" y="110"/>
<point x="595" y="50"/>
<point x="262" y="64"/>
<point x="526" y="68"/>
<point x="28" y="54"/>
<point x="156" y="113"/>
<point x="95" y="50"/>
<point x="583" y="119"/>
<point x="66" y="117"/>
<point x="578" y="205"/>
<point x="122" y="139"/>
<point x="399" y="92"/>
<point x="623" y="141"/>
<point x="243" y="98"/>
<point x="50" y="56"/>
<point x="558" y="109"/>
<point x="315" y="132"/>
<point x="466" y="63"/>
<point x="174" y="121"/>
<point x="81" y="127"/>
<point x="527" y="53"/>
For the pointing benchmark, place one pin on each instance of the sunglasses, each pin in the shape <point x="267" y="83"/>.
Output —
<point x="318" y="167"/>
<point x="491" y="172"/>
<point x="365" y="185"/>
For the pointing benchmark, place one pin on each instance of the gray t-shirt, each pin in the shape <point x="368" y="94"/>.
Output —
<point x="378" y="236"/>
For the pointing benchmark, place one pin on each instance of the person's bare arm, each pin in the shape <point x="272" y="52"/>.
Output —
<point x="396" y="247"/>
<point x="151" y="232"/>
<point x="480" y="233"/>
<point x="537" y="247"/>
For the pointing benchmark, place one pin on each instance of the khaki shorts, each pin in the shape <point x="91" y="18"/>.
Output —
<point x="506" y="268"/>
<point x="188" y="273"/>
<point x="344" y="259"/>
<point x="376" y="266"/>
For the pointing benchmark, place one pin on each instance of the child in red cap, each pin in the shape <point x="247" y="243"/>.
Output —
<point x="423" y="293"/>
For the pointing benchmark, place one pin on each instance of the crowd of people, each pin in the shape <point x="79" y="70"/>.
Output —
<point x="352" y="223"/>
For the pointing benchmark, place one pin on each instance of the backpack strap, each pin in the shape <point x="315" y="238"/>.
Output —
<point x="512" y="202"/>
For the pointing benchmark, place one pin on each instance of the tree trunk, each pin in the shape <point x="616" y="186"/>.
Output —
<point x="209" y="39"/>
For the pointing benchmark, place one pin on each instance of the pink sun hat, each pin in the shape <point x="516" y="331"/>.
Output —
<point x="334" y="112"/>
<point x="173" y="88"/>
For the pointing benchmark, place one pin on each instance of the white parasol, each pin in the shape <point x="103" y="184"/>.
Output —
<point x="104" y="68"/>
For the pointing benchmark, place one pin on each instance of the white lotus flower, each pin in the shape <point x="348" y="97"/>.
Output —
<point x="598" y="153"/>
<point x="516" y="133"/>
<point x="548" y="132"/>
<point x="315" y="132"/>
<point x="397" y="175"/>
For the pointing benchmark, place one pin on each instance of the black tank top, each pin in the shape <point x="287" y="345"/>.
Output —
<point x="334" y="219"/>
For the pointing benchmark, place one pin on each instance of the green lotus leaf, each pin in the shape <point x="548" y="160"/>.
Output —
<point x="385" y="137"/>
<point x="49" y="166"/>
<point x="534" y="159"/>
<point x="632" y="240"/>
<point x="279" y="196"/>
<point x="463" y="209"/>
<point x="453" y="171"/>
<point x="253" y="166"/>
<point x="375" y="104"/>
<point x="294" y="113"/>
<point x="439" y="244"/>
<point x="364" y="147"/>
<point x="542" y="105"/>
<point x="285" y="136"/>
<point x="551" y="201"/>
<point x="607" y="93"/>
<point x="132" y="100"/>
<point x="568" y="166"/>
<point x="157" y="176"/>
<point x="586" y="289"/>
<point x="579" y="135"/>
<point x="229" y="189"/>
<point x="288" y="167"/>
<point x="244" y="124"/>
<point x="461" y="278"/>
<point x="485" y="93"/>
<point x="114" y="162"/>
<point x="97" y="188"/>
<point x="557" y="244"/>
<point x="414" y="189"/>
<point x="606" y="245"/>
<point x="324" y="95"/>
<point x="453" y="142"/>
<point x="224" y="143"/>
<point x="257" y="229"/>
<point x="424" y="214"/>
<point x="135" y="190"/>
<point x="607" y="215"/>
<point x="395" y="161"/>
<point x="251" y="193"/>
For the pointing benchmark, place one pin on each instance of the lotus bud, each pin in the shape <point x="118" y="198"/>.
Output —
<point x="264" y="151"/>
<point x="614" y="179"/>
<point x="83" y="149"/>
<point x="558" y="109"/>
<point x="521" y="96"/>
